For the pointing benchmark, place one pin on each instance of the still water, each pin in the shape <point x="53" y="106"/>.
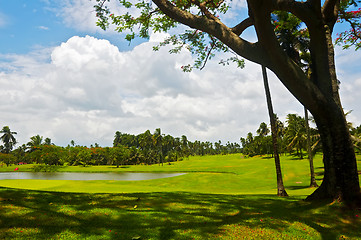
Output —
<point x="126" y="176"/>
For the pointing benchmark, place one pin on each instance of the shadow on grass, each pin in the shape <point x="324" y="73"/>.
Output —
<point x="180" y="215"/>
<point x="292" y="157"/>
<point x="320" y="174"/>
<point x="297" y="158"/>
<point x="297" y="187"/>
<point x="120" y="166"/>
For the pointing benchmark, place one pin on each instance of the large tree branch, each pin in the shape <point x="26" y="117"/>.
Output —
<point x="290" y="74"/>
<point x="213" y="26"/>
<point x="302" y="10"/>
<point x="203" y="7"/>
<point x="239" y="28"/>
<point x="330" y="12"/>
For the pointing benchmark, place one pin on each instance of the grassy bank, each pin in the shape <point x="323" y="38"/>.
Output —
<point x="221" y="197"/>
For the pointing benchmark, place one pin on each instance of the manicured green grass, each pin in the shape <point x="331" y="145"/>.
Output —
<point x="227" y="174"/>
<point x="222" y="197"/>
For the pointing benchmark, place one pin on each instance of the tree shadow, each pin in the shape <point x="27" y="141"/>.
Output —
<point x="297" y="187"/>
<point x="123" y="166"/>
<point x="176" y="215"/>
<point x="297" y="158"/>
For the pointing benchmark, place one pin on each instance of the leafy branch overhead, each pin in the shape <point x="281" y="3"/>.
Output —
<point x="150" y="19"/>
<point x="352" y="36"/>
<point x="147" y="17"/>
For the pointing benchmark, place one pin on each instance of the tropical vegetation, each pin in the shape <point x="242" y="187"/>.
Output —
<point x="128" y="149"/>
<point x="157" y="148"/>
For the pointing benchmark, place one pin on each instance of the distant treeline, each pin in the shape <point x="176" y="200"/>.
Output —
<point x="127" y="149"/>
<point x="158" y="148"/>
<point x="292" y="138"/>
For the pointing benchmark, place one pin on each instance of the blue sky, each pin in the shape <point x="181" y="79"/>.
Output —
<point x="64" y="78"/>
<point x="27" y="25"/>
<point x="30" y="24"/>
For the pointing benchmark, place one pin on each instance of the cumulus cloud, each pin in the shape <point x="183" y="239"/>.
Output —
<point x="86" y="89"/>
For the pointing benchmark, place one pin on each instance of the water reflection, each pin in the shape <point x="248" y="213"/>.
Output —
<point x="125" y="176"/>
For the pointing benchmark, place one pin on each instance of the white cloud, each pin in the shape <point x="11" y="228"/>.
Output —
<point x="86" y="89"/>
<point x="80" y="14"/>
<point x="43" y="28"/>
<point x="348" y="72"/>
<point x="3" y="20"/>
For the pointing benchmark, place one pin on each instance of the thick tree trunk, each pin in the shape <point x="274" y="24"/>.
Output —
<point x="340" y="176"/>
<point x="313" y="182"/>
<point x="281" y="191"/>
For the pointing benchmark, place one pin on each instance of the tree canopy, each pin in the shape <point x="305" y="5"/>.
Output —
<point x="8" y="139"/>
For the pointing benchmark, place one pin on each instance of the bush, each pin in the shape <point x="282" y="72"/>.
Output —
<point x="8" y="159"/>
<point x="45" y="168"/>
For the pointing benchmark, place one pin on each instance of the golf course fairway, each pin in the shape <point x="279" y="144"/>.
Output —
<point x="219" y="197"/>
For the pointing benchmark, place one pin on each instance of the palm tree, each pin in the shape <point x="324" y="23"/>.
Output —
<point x="313" y="182"/>
<point x="117" y="138"/>
<point x="288" y="40"/>
<point x="296" y="133"/>
<point x="295" y="43"/>
<point x="36" y="141"/>
<point x="281" y="191"/>
<point x="262" y="130"/>
<point x="184" y="146"/>
<point x="157" y="140"/>
<point x="8" y="139"/>
<point x="47" y="141"/>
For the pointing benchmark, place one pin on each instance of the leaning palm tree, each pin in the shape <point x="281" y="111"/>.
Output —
<point x="8" y="139"/>
<point x="288" y="41"/>
<point x="281" y="191"/>
<point x="295" y="42"/>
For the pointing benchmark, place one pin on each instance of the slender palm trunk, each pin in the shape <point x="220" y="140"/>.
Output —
<point x="310" y="157"/>
<point x="281" y="191"/>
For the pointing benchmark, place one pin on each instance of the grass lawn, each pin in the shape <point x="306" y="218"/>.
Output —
<point x="221" y="197"/>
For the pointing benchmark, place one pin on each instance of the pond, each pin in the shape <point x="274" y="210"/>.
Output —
<point x="124" y="176"/>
